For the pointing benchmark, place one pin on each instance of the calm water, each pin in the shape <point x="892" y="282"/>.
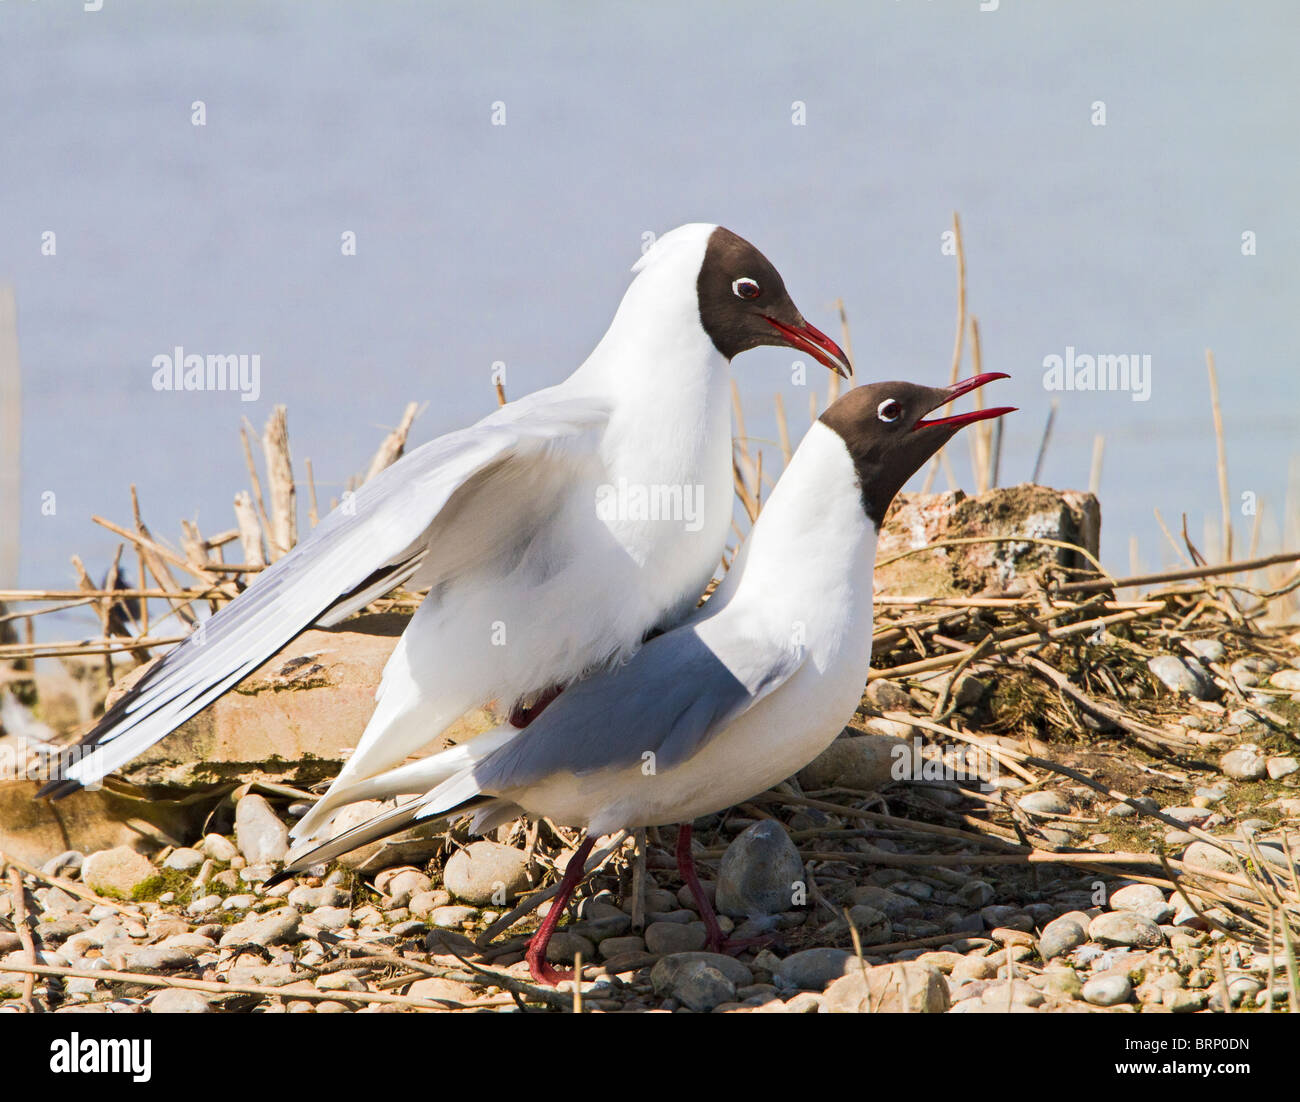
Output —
<point x="479" y="243"/>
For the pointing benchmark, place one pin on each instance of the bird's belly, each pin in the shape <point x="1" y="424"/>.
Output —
<point x="774" y="740"/>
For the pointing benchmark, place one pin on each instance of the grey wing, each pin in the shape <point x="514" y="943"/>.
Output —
<point x="374" y="541"/>
<point x="669" y="699"/>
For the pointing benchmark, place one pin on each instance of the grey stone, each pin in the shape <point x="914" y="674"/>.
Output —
<point x="273" y="928"/>
<point x="452" y="917"/>
<point x="261" y="836"/>
<point x="1043" y="804"/>
<point x="1209" y="649"/>
<point x="423" y="904"/>
<point x="566" y="945"/>
<point x="874" y="926"/>
<point x="867" y="762"/>
<point x="906" y="987"/>
<point x="220" y="848"/>
<point x="1132" y="897"/>
<point x="1279" y="767"/>
<point x="1060" y="936"/>
<point x="330" y="918"/>
<point x="158" y="958"/>
<point x="1109" y="990"/>
<point x="696" y="984"/>
<point x="1286" y="679"/>
<point x="1181" y="677"/>
<point x="183" y="859"/>
<point x="118" y="871"/>
<point x="324" y="896"/>
<point x="1246" y="763"/>
<point x="674" y="937"/>
<point x="175" y="1000"/>
<point x="813" y="969"/>
<point x="612" y="947"/>
<point x="664" y="971"/>
<point x="1125" y="928"/>
<point x="758" y="872"/>
<point x="486" y="873"/>
<point x="882" y="899"/>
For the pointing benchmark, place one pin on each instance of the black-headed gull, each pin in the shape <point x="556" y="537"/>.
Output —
<point x="745" y="692"/>
<point x="555" y="534"/>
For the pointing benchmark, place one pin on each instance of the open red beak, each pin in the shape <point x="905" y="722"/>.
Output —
<point x="810" y="339"/>
<point x="954" y="392"/>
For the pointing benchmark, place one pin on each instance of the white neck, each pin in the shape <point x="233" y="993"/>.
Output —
<point x="806" y="567"/>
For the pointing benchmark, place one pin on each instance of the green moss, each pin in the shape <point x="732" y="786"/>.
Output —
<point x="162" y="882"/>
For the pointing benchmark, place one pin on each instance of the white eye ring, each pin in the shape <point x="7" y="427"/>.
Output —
<point x="891" y="405"/>
<point x="744" y="287"/>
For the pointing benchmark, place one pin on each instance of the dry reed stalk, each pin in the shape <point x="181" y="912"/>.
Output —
<point x="1094" y="471"/>
<point x="783" y="431"/>
<point x="313" y="512"/>
<point x="1221" y="456"/>
<point x="1042" y="444"/>
<point x="279" y="477"/>
<point x="958" y="338"/>
<point x="250" y="529"/>
<point x="394" y="444"/>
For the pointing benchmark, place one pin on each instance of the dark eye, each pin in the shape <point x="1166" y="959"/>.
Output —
<point x="745" y="287"/>
<point x="889" y="411"/>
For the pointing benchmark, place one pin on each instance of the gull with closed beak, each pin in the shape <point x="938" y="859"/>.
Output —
<point x="745" y="692"/>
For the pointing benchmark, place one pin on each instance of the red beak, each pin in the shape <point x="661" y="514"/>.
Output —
<point x="954" y="392"/>
<point x="810" y="339"/>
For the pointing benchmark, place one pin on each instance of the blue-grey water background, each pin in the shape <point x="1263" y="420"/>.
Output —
<point x="479" y="243"/>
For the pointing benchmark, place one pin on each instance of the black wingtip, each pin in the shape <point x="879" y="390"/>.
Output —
<point x="279" y="878"/>
<point x="57" y="789"/>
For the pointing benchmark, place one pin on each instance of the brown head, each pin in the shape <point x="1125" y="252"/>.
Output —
<point x="889" y="433"/>
<point x="744" y="304"/>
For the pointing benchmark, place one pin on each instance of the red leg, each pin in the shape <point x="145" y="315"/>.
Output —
<point x="717" y="942"/>
<point x="538" y="967"/>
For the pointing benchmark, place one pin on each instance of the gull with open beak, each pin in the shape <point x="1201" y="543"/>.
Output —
<point x="749" y="689"/>
<point x="535" y="574"/>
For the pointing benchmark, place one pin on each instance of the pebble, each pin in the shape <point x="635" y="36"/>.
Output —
<point x="324" y="896"/>
<point x="1286" y="679"/>
<point x="813" y="969"/>
<point x="906" y="987"/>
<point x="1132" y="897"/>
<point x="183" y="859"/>
<point x="699" y="981"/>
<point x="451" y="917"/>
<point x="874" y="926"/>
<point x="892" y="904"/>
<point x="1110" y="990"/>
<point x="157" y="958"/>
<point x="613" y="947"/>
<point x="260" y="835"/>
<point x="203" y="904"/>
<point x="1060" y="936"/>
<point x="1246" y="763"/>
<point x="866" y="762"/>
<point x="176" y="1000"/>
<point x="273" y="928"/>
<point x="1182" y="677"/>
<point x="675" y="937"/>
<point x="1279" y="767"/>
<point x="1209" y="649"/>
<point x="759" y="871"/>
<point x="486" y="873"/>
<point x="403" y="885"/>
<point x="1044" y="804"/>
<point x="219" y="848"/>
<point x="118" y="871"/>
<point x="423" y="904"/>
<point x="1125" y="928"/>
<point x="330" y="918"/>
